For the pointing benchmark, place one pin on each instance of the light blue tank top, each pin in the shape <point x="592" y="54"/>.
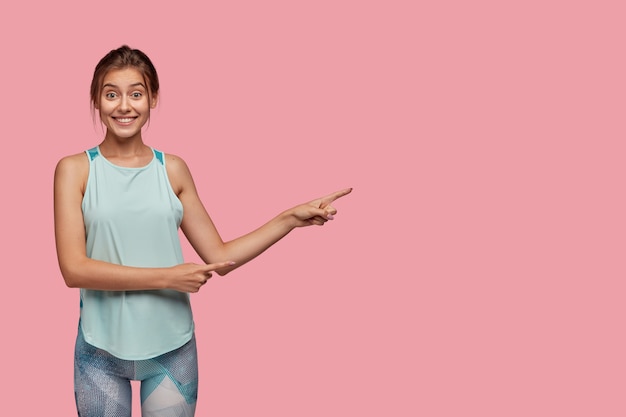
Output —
<point x="132" y="218"/>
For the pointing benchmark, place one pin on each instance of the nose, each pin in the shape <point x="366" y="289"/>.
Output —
<point x="125" y="104"/>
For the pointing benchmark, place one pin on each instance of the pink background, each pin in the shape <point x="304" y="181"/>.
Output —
<point x="476" y="270"/>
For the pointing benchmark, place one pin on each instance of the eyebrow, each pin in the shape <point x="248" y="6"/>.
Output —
<point x="115" y="86"/>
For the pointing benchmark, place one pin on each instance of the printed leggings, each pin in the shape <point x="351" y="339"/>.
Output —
<point x="169" y="383"/>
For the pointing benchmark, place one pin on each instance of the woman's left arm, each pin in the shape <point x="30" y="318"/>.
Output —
<point x="205" y="239"/>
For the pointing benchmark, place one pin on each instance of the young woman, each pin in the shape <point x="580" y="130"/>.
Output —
<point x="117" y="210"/>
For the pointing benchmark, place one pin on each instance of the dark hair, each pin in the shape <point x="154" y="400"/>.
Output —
<point x="120" y="58"/>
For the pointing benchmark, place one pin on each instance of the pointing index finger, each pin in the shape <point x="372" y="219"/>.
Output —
<point x="334" y="196"/>
<point x="218" y="265"/>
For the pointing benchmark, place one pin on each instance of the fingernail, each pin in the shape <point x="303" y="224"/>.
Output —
<point x="232" y="263"/>
<point x="330" y="217"/>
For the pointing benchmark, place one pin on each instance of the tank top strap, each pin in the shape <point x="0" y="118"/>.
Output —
<point x="159" y="156"/>
<point x="93" y="152"/>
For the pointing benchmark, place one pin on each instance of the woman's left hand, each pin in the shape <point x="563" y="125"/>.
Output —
<point x="318" y="211"/>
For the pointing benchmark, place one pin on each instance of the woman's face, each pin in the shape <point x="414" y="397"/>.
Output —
<point x="124" y="103"/>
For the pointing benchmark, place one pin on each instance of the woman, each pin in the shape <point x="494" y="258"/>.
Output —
<point x="118" y="207"/>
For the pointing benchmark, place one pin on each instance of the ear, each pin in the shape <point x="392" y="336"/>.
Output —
<point x="153" y="101"/>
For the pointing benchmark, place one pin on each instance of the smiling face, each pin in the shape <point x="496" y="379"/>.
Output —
<point x="124" y="103"/>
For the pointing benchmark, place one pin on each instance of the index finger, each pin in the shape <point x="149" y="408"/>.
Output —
<point x="332" y="197"/>
<point x="218" y="265"/>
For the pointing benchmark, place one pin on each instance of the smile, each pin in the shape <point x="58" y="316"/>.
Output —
<point x="124" y="119"/>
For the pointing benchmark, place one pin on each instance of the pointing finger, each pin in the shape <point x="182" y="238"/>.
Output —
<point x="332" y="197"/>
<point x="213" y="267"/>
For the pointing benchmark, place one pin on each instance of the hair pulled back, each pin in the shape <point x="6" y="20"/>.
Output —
<point x="121" y="58"/>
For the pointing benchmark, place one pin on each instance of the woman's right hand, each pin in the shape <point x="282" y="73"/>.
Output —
<point x="190" y="277"/>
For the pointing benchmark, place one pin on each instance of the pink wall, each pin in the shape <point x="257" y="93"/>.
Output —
<point x="476" y="270"/>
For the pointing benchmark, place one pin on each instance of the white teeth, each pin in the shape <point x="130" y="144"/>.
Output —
<point x="126" y="120"/>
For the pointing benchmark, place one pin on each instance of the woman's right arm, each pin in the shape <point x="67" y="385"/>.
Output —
<point x="79" y="271"/>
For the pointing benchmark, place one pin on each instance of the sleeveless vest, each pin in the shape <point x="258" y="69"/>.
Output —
<point x="132" y="218"/>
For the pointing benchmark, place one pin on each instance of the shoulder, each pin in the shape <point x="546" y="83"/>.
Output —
<point x="75" y="163"/>
<point x="178" y="172"/>
<point x="72" y="168"/>
<point x="175" y="164"/>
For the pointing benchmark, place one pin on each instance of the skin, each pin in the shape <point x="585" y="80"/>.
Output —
<point x="124" y="107"/>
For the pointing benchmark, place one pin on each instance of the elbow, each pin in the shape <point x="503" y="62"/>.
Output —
<point x="222" y="272"/>
<point x="71" y="284"/>
<point x="76" y="271"/>
<point x="71" y="279"/>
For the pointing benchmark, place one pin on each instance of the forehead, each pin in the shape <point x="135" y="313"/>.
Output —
<point x="123" y="77"/>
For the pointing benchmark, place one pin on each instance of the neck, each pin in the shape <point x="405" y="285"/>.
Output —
<point x="123" y="147"/>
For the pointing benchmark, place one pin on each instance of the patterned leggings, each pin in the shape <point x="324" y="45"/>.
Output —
<point x="169" y="383"/>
